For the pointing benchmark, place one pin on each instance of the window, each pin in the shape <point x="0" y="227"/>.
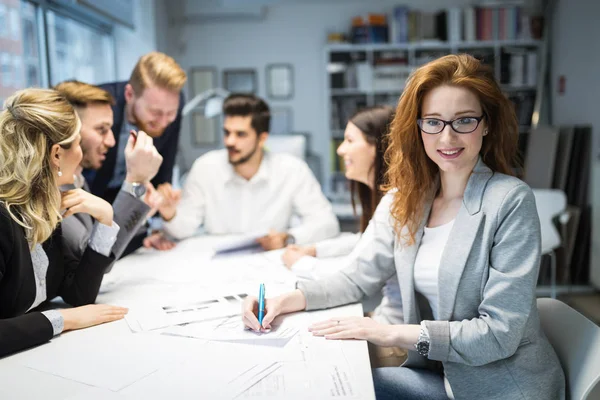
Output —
<point x="30" y="61"/>
<point x="15" y="25"/>
<point x="78" y="51"/>
<point x="17" y="71"/>
<point x="6" y="68"/>
<point x="3" y="20"/>
<point x="75" y="50"/>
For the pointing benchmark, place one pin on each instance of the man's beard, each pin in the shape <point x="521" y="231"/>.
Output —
<point x="142" y="126"/>
<point x="245" y="158"/>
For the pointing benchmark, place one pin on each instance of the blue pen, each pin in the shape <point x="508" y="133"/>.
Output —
<point x="261" y="303"/>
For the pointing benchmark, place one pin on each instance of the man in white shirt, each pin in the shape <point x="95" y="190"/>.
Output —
<point x="245" y="189"/>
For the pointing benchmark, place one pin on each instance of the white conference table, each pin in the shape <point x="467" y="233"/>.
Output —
<point x="112" y="362"/>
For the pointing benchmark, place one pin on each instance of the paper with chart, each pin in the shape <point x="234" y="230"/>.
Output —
<point x="150" y="317"/>
<point x="232" y="329"/>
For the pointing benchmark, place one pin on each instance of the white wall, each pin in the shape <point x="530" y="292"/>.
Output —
<point x="131" y="44"/>
<point x="576" y="55"/>
<point x="290" y="33"/>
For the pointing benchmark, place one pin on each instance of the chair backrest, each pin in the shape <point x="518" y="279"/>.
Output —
<point x="576" y="341"/>
<point x="550" y="203"/>
<point x="291" y="144"/>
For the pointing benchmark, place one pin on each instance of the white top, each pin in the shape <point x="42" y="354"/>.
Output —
<point x="225" y="203"/>
<point x="427" y="263"/>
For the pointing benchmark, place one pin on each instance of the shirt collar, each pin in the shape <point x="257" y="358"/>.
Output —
<point x="263" y="173"/>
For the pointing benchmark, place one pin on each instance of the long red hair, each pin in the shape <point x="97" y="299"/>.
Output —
<point x="410" y="170"/>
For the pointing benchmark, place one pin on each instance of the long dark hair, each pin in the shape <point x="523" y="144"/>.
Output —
<point x="373" y="122"/>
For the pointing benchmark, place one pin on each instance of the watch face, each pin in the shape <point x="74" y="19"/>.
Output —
<point x="423" y="348"/>
<point x="139" y="190"/>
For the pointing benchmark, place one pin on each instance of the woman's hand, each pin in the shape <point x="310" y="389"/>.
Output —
<point x="79" y="201"/>
<point x="368" y="329"/>
<point x="284" y="304"/>
<point x="91" y="315"/>
<point x="250" y="311"/>
<point x="293" y="253"/>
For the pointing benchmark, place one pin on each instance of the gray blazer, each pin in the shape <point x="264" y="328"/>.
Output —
<point x="129" y="213"/>
<point x="488" y="334"/>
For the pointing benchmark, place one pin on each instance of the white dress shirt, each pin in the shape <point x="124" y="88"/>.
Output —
<point x="226" y="203"/>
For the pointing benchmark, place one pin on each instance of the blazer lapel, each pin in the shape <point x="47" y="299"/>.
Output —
<point x="454" y="259"/>
<point x="461" y="239"/>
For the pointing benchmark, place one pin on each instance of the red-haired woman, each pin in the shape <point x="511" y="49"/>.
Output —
<point x="463" y="236"/>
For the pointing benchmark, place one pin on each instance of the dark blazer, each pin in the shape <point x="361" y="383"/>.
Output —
<point x="166" y="145"/>
<point x="77" y="281"/>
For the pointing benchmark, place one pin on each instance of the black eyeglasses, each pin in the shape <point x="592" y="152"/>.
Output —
<point x="433" y="126"/>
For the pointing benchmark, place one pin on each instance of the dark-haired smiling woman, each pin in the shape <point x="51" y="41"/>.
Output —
<point x="39" y="151"/>
<point x="463" y="236"/>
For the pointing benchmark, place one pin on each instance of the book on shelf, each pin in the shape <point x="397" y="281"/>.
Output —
<point x="372" y="29"/>
<point x="518" y="67"/>
<point x="457" y="24"/>
<point x="524" y="101"/>
<point x="343" y="108"/>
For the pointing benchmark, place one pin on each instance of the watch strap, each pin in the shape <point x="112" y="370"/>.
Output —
<point x="135" y="189"/>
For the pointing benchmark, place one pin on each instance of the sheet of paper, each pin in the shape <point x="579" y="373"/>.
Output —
<point x="214" y="375"/>
<point x="251" y="377"/>
<point x="93" y="393"/>
<point x="20" y="382"/>
<point x="239" y="243"/>
<point x="146" y="318"/>
<point x="333" y="381"/>
<point x="111" y="362"/>
<point x="233" y="330"/>
<point x="290" y="382"/>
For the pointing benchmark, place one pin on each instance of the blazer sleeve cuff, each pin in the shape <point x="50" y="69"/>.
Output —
<point x="316" y="297"/>
<point x="439" y="340"/>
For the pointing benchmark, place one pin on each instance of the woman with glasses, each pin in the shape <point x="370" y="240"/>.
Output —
<point x="39" y="152"/>
<point x="463" y="236"/>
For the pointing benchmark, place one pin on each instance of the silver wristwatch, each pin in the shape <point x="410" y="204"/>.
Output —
<point x="136" y="189"/>
<point x="422" y="344"/>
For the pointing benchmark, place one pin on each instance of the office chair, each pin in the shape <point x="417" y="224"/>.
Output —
<point x="291" y="144"/>
<point x="551" y="203"/>
<point x="576" y="341"/>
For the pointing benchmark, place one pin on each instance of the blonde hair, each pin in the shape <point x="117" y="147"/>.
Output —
<point x="33" y="120"/>
<point x="80" y="94"/>
<point x="158" y="69"/>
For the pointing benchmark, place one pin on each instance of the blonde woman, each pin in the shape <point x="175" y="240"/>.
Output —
<point x="39" y="151"/>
